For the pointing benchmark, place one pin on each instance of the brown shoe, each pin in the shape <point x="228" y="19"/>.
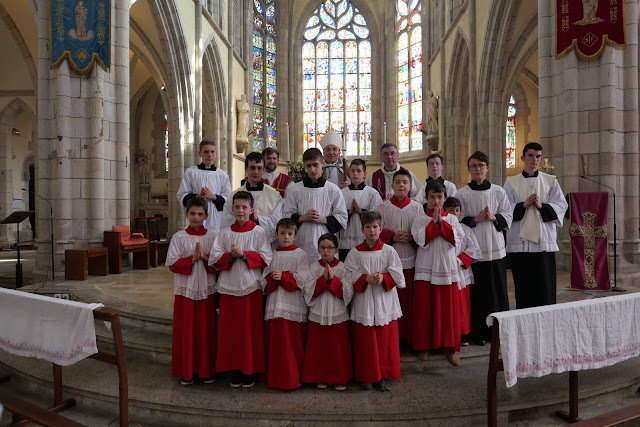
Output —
<point x="452" y="357"/>
<point x="423" y="355"/>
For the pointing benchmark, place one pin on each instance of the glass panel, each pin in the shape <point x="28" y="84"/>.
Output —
<point x="351" y="81"/>
<point x="257" y="92"/>
<point x="271" y="29"/>
<point x="322" y="67"/>
<point x="257" y="59"/>
<point x="416" y="59"/>
<point x="337" y="81"/>
<point x="351" y="100"/>
<point x="322" y="50"/>
<point x="416" y="18"/>
<point x="416" y="89"/>
<point x="271" y="96"/>
<point x="271" y="45"/>
<point x="403" y="93"/>
<point x="362" y="32"/>
<point x="351" y="66"/>
<point x="402" y="8"/>
<point x="403" y="117"/>
<point x="309" y="130"/>
<point x="336" y="49"/>
<point x="258" y="39"/>
<point x="403" y="24"/>
<point x="365" y="49"/>
<point x="271" y="11"/>
<point x="346" y="18"/>
<point x="322" y="124"/>
<point x="337" y="121"/>
<point x="512" y="100"/>
<point x="257" y="123"/>
<point x="258" y="21"/>
<point x="330" y="7"/>
<point x="511" y="111"/>
<point x="416" y="115"/>
<point x="258" y="6"/>
<point x="403" y="67"/>
<point x="322" y="81"/>
<point x="337" y="66"/>
<point x="271" y="127"/>
<point x="308" y="66"/>
<point x="403" y="140"/>
<point x="511" y="143"/>
<point x="271" y="64"/>
<point x="416" y="138"/>
<point x="365" y="99"/>
<point x="326" y="19"/>
<point x="309" y="101"/>
<point x="346" y="35"/>
<point x="342" y="7"/>
<point x="365" y="81"/>
<point x="313" y="21"/>
<point x="327" y="35"/>
<point x="413" y="4"/>
<point x="308" y="50"/>
<point x="351" y="50"/>
<point x="365" y="65"/>
<point x="258" y="75"/>
<point x="359" y="19"/>
<point x="311" y="33"/>
<point x="308" y="82"/>
<point x="322" y="98"/>
<point x="337" y="101"/>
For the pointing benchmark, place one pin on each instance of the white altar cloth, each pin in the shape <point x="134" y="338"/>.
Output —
<point x="571" y="336"/>
<point x="60" y="331"/>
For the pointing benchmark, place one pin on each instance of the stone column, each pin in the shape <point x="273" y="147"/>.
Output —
<point x="85" y="173"/>
<point x="589" y="109"/>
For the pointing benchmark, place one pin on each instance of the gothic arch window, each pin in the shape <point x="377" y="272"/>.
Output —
<point x="511" y="133"/>
<point x="336" y="72"/>
<point x="166" y="144"/>
<point x="264" y="74"/>
<point x="409" y="49"/>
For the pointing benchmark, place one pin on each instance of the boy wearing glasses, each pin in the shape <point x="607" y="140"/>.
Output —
<point x="286" y="311"/>
<point x="268" y="203"/>
<point x="327" y="358"/>
<point x="486" y="209"/>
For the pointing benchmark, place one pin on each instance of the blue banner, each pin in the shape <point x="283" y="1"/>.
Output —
<point x="81" y="32"/>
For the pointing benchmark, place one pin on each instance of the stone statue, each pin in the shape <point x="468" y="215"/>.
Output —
<point x="242" y="107"/>
<point x="144" y="166"/>
<point x="432" y="114"/>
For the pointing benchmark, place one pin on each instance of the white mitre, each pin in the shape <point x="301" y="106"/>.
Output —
<point x="331" y="138"/>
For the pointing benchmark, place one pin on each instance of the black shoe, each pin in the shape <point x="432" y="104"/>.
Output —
<point x="366" y="386"/>
<point x="478" y="340"/>
<point x="385" y="385"/>
<point x="186" y="382"/>
<point x="249" y="380"/>
<point x="464" y="341"/>
<point x="236" y="379"/>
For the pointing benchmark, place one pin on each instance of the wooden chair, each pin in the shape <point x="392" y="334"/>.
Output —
<point x="120" y="242"/>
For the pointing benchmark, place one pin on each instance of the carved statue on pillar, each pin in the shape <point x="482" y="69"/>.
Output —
<point x="144" y="171"/>
<point x="431" y="128"/>
<point x="242" y="140"/>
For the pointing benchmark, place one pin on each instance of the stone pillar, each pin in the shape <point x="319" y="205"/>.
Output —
<point x="85" y="173"/>
<point x="589" y="109"/>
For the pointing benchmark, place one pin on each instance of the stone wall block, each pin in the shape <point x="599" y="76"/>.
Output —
<point x="589" y="99"/>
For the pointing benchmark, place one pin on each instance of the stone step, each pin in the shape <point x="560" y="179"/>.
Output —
<point x="437" y="396"/>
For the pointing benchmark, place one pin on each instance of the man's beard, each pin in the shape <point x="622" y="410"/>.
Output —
<point x="269" y="169"/>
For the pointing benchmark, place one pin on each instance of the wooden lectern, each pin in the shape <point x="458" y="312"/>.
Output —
<point x="16" y="218"/>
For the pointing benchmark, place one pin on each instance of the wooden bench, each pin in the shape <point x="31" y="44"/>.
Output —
<point x="50" y="417"/>
<point x="140" y="252"/>
<point x="78" y="261"/>
<point x="622" y="416"/>
<point x="158" y="251"/>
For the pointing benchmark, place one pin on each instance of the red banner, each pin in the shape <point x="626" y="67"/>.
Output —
<point x="587" y="25"/>
<point x="589" y="213"/>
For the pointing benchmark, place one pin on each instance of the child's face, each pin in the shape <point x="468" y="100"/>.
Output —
<point x="435" y="200"/>
<point x="331" y="153"/>
<point x="453" y="210"/>
<point x="208" y="153"/>
<point x="401" y="186"/>
<point x="242" y="210"/>
<point x="435" y="167"/>
<point x="372" y="231"/>
<point x="327" y="250"/>
<point x="286" y="236"/>
<point x="357" y="174"/>
<point x="196" y="216"/>
<point x="478" y="170"/>
<point x="314" y="168"/>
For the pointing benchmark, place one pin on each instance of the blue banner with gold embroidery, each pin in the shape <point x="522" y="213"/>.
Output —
<point x="81" y="32"/>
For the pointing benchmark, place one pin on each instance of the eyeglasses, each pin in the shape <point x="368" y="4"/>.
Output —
<point x="326" y="248"/>
<point x="478" y="166"/>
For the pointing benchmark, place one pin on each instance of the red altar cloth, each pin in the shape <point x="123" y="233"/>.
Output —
<point x="589" y="213"/>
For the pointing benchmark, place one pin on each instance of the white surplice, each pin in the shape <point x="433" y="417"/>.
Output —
<point x="401" y="219"/>
<point x="200" y="283"/>
<point x="368" y="199"/>
<point x="436" y="261"/>
<point x="326" y="309"/>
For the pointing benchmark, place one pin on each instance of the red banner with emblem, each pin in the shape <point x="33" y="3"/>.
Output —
<point x="588" y="25"/>
<point x="589" y="214"/>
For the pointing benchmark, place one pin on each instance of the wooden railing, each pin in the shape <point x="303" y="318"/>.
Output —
<point x="29" y="412"/>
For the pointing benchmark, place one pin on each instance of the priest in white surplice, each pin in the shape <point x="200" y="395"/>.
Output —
<point x="538" y="209"/>
<point x="268" y="203"/>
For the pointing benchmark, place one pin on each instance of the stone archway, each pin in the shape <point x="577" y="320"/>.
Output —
<point x="8" y="117"/>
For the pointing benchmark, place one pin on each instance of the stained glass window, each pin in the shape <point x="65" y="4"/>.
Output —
<point x="511" y="134"/>
<point x="264" y="74"/>
<point x="166" y="144"/>
<point x="336" y="74"/>
<point x="409" y="91"/>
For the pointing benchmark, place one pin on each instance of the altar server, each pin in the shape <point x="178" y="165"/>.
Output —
<point x="435" y="164"/>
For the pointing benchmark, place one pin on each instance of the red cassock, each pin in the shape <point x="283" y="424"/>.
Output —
<point x="328" y="359"/>
<point x="285" y="353"/>
<point x="241" y="334"/>
<point x="465" y="310"/>
<point x="436" y="316"/>
<point x="405" y="296"/>
<point x="376" y="352"/>
<point x="193" y="350"/>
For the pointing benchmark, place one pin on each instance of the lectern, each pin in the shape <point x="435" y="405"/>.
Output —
<point x="16" y="218"/>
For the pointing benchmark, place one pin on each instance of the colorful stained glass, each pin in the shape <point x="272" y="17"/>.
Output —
<point x="340" y="67"/>
<point x="511" y="111"/>
<point x="409" y="76"/>
<point x="264" y="74"/>
<point x="511" y="143"/>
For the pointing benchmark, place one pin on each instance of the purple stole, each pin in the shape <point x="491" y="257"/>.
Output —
<point x="379" y="183"/>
